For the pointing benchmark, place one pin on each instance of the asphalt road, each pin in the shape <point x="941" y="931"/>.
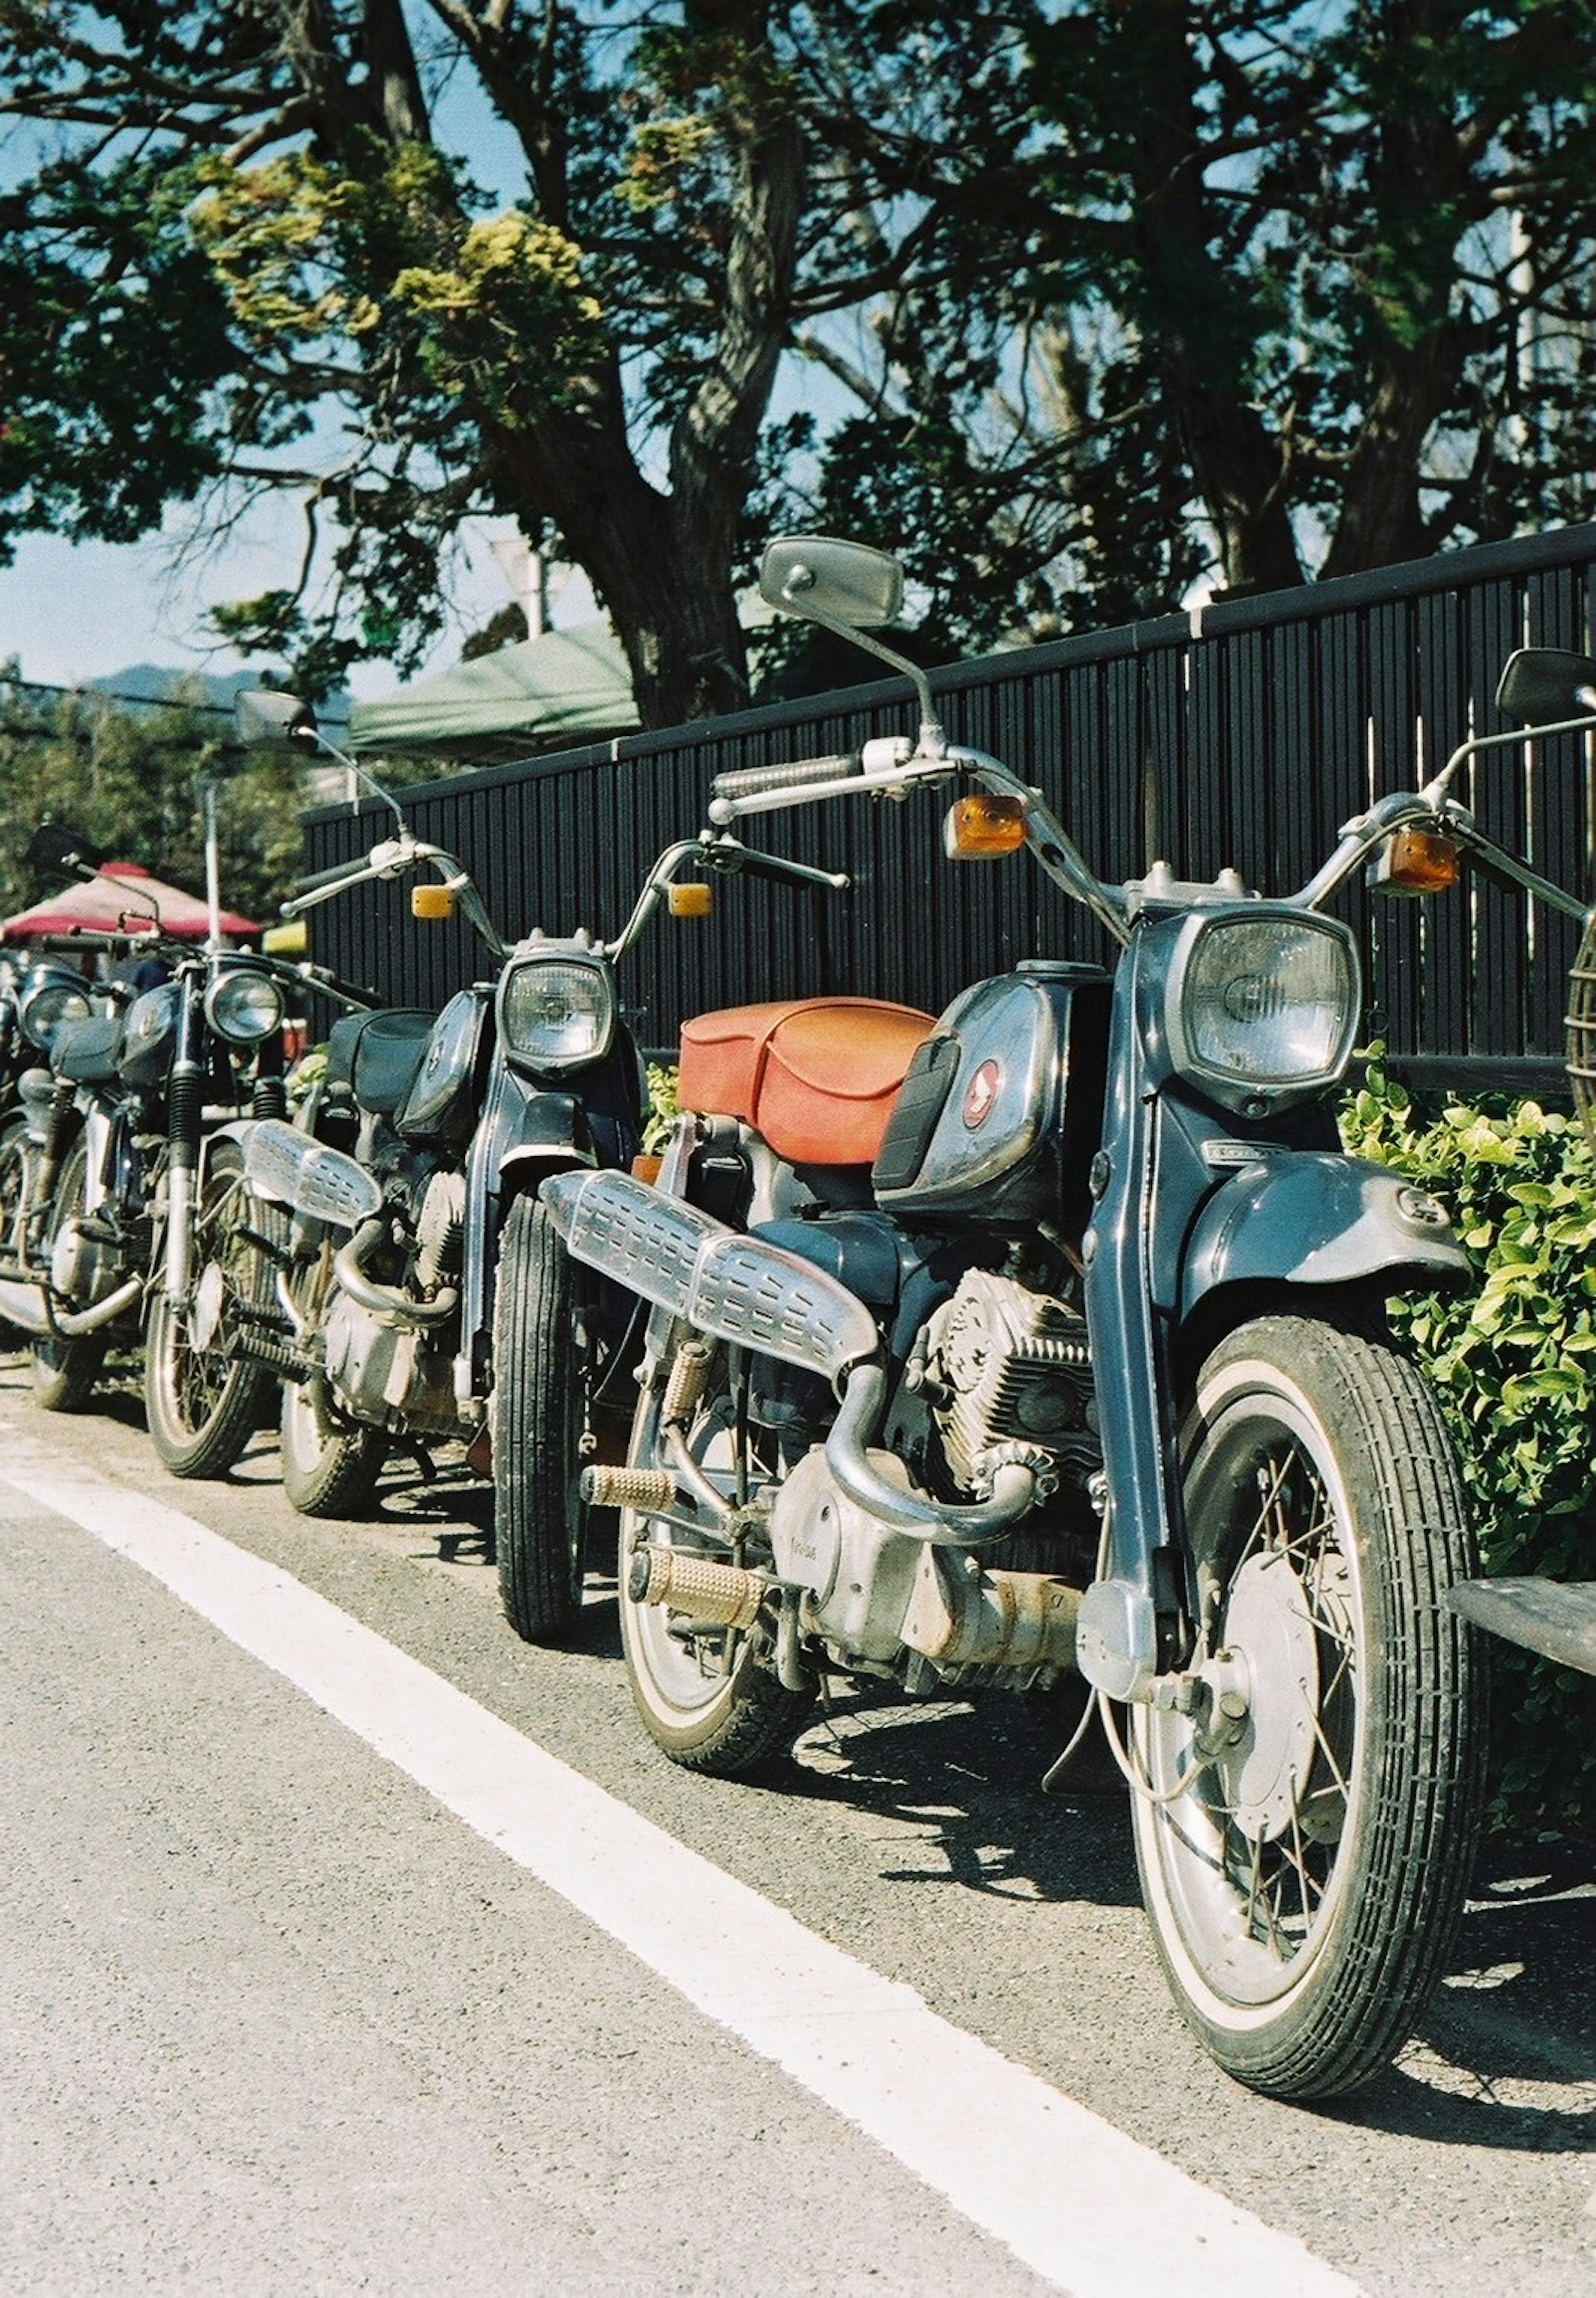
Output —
<point x="296" y="2003"/>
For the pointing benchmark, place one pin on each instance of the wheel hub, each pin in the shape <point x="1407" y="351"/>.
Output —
<point x="1263" y="1776"/>
<point x="204" y="1320"/>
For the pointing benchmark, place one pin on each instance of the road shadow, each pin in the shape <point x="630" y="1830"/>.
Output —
<point x="967" y="1774"/>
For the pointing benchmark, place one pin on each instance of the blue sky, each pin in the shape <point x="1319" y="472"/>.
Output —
<point x="77" y="612"/>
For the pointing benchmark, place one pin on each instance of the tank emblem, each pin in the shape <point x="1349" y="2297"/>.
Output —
<point x="981" y="1097"/>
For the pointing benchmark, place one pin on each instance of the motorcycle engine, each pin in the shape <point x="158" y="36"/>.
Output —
<point x="389" y="1373"/>
<point x="1007" y="1366"/>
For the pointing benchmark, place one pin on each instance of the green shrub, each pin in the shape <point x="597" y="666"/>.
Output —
<point x="1514" y="1360"/>
<point x="662" y="1107"/>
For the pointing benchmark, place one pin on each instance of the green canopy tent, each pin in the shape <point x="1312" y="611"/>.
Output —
<point x="545" y="693"/>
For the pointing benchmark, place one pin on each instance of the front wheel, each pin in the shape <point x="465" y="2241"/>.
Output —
<point x="203" y="1401"/>
<point x="1305" y="1882"/>
<point x="708" y="1695"/>
<point x="331" y="1464"/>
<point x="16" y="1153"/>
<point x="540" y="1519"/>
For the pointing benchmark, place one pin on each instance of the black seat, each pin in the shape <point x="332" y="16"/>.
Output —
<point x="376" y="1055"/>
<point x="88" y="1051"/>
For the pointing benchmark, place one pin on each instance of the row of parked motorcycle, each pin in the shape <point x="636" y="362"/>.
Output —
<point x="1044" y="1338"/>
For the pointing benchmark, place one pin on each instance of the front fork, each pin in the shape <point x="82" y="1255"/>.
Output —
<point x="1134" y="1622"/>
<point x="184" y="1110"/>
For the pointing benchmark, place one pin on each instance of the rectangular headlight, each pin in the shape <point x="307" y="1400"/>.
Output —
<point x="556" y="1013"/>
<point x="1262" y="1008"/>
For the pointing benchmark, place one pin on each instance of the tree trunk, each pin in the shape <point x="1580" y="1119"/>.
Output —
<point x="1191" y="309"/>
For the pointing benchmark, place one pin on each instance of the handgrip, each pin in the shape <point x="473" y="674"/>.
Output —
<point x="777" y="872"/>
<point x="317" y="878"/>
<point x="751" y="780"/>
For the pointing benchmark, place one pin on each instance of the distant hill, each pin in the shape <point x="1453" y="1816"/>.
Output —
<point x="206" y="689"/>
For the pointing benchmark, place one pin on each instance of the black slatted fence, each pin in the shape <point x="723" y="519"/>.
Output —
<point x="1245" y="734"/>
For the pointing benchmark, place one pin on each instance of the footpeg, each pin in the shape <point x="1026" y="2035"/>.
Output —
<point x="648" y="1491"/>
<point x="721" y="1595"/>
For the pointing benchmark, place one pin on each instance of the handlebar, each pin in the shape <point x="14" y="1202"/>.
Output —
<point x="725" y="854"/>
<point x="394" y="857"/>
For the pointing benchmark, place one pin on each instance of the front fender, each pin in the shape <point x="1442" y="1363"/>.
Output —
<point x="1311" y="1217"/>
<point x="546" y="1129"/>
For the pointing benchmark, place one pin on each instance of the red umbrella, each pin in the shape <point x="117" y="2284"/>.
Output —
<point x="97" y="908"/>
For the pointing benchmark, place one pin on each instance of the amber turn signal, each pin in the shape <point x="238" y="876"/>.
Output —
<point x="1415" y="862"/>
<point x="981" y="826"/>
<point x="694" y="899"/>
<point x="431" y="901"/>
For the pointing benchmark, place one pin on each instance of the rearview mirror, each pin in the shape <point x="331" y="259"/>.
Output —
<point x="263" y="716"/>
<point x="1539" y="685"/>
<point x="831" y="581"/>
<point x="55" y="847"/>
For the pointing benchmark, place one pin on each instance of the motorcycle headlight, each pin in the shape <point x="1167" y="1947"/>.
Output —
<point x="43" y="1009"/>
<point x="1263" y="1008"/>
<point x="557" y="1012"/>
<point x="244" y="1006"/>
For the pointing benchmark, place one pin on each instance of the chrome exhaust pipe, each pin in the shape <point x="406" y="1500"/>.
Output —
<point x="23" y="1305"/>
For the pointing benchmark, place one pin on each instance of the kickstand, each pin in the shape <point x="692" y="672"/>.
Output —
<point x="1053" y="1777"/>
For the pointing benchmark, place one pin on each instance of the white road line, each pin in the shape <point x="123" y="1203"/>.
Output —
<point x="1079" y="2202"/>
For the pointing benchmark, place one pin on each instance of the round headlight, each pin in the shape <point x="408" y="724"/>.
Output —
<point x="46" y="1005"/>
<point x="557" y="1012"/>
<point x="244" y="1006"/>
<point x="1264" y="1007"/>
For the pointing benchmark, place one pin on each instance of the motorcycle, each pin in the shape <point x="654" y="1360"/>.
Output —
<point x="1049" y="1334"/>
<point x="33" y="1000"/>
<point x="128" y="1190"/>
<point x="426" y="1294"/>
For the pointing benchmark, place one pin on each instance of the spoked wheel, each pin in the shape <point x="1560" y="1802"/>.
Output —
<point x="541" y="1522"/>
<point x="708" y="1694"/>
<point x="330" y="1463"/>
<point x="1305" y="1887"/>
<point x="64" y="1371"/>
<point x="203" y="1401"/>
<point x="14" y="1181"/>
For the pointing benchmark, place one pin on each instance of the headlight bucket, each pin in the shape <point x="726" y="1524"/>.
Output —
<point x="45" y="1003"/>
<point x="244" y="1006"/>
<point x="1261" y="1005"/>
<point x="557" y="1012"/>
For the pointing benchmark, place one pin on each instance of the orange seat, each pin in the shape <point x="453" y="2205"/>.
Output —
<point x="817" y="1076"/>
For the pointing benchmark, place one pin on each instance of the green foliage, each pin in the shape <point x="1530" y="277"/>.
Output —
<point x="126" y="780"/>
<point x="663" y="1107"/>
<point x="1514" y="1361"/>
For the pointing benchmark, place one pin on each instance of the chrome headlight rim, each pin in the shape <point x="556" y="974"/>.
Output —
<point x="1249" y="1092"/>
<point x="44" y="1004"/>
<point x="532" y="1042"/>
<point x="243" y="1005"/>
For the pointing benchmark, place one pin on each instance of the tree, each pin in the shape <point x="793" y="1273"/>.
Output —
<point x="1314" y="280"/>
<point x="1102" y="291"/>
<point x="247" y="253"/>
<point x="127" y="780"/>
